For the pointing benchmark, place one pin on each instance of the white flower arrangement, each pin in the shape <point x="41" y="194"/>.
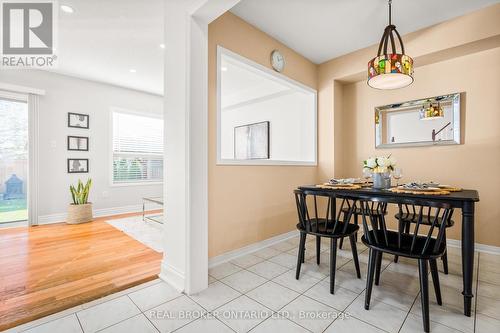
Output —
<point x="380" y="164"/>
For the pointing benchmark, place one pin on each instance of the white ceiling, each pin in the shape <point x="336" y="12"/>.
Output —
<point x="324" y="29"/>
<point x="241" y="83"/>
<point x="103" y="39"/>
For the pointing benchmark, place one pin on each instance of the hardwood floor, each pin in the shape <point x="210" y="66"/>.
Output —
<point x="49" y="268"/>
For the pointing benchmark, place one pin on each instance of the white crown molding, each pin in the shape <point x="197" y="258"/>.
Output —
<point x="21" y="89"/>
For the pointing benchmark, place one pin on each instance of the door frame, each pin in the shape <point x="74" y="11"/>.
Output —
<point x="30" y="96"/>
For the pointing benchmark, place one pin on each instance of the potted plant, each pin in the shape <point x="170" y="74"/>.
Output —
<point x="80" y="211"/>
<point x="381" y="168"/>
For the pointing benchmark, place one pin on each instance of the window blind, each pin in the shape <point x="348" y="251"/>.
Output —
<point x="137" y="148"/>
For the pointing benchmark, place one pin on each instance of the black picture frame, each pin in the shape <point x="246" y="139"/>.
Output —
<point x="86" y="116"/>
<point x="86" y="138"/>
<point x="78" y="159"/>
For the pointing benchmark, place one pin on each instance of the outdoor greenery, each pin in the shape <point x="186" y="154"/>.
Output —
<point x="80" y="193"/>
<point x="13" y="210"/>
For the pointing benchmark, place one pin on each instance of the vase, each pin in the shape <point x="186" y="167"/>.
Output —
<point x="79" y="213"/>
<point x="381" y="180"/>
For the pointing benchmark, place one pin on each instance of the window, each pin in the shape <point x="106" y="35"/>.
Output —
<point x="137" y="148"/>
<point x="263" y="117"/>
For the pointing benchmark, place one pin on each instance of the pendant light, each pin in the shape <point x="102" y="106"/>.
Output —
<point x="391" y="70"/>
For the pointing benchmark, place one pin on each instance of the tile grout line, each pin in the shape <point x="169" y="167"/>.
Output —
<point x="121" y="321"/>
<point x="343" y="311"/>
<point x="270" y="280"/>
<point x="303" y="293"/>
<point x="360" y="319"/>
<point x="321" y="280"/>
<point x="156" y="328"/>
<point x="477" y="289"/>
<point x="79" y="323"/>
<point x="409" y="311"/>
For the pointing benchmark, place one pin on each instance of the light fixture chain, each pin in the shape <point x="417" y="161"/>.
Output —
<point x="390" y="12"/>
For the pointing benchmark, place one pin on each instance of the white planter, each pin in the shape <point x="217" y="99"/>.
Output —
<point x="79" y="213"/>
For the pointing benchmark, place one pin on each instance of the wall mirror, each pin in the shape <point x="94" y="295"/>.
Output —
<point x="263" y="117"/>
<point x="423" y="122"/>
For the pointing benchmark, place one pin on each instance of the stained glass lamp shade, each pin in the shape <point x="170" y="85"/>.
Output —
<point x="390" y="70"/>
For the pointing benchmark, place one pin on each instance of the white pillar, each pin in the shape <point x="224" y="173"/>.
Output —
<point x="185" y="262"/>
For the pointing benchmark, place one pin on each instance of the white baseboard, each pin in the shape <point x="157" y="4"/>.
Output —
<point x="228" y="256"/>
<point x="61" y="217"/>
<point x="477" y="246"/>
<point x="172" y="276"/>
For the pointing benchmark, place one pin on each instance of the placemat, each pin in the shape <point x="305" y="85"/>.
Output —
<point x="339" y="187"/>
<point x="408" y="191"/>
<point x="450" y="188"/>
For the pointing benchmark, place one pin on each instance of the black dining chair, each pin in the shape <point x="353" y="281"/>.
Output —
<point x="424" y="247"/>
<point x="317" y="217"/>
<point x="355" y="214"/>
<point x="409" y="216"/>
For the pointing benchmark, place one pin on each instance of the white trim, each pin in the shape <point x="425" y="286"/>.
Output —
<point x="231" y="255"/>
<point x="265" y="162"/>
<point x="21" y="89"/>
<point x="102" y="212"/>
<point x="33" y="159"/>
<point x="31" y="99"/>
<point x="111" y="155"/>
<point x="14" y="96"/>
<point x="172" y="276"/>
<point x="483" y="248"/>
<point x="272" y="75"/>
<point x="185" y="262"/>
<point x="143" y="183"/>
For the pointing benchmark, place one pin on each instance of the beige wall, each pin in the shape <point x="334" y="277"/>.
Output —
<point x="474" y="164"/>
<point x="250" y="203"/>
<point x="447" y="62"/>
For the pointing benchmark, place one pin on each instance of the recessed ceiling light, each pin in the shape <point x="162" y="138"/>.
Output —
<point x="67" y="9"/>
<point x="224" y="69"/>
<point x="162" y="46"/>
<point x="132" y="70"/>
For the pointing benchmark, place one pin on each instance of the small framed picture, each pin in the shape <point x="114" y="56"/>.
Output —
<point x="78" y="120"/>
<point x="78" y="165"/>
<point x="78" y="143"/>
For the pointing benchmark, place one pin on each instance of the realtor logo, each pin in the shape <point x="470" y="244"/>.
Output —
<point x="28" y="33"/>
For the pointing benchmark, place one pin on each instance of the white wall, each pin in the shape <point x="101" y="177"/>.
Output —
<point x="291" y="130"/>
<point x="407" y="126"/>
<point x="66" y="94"/>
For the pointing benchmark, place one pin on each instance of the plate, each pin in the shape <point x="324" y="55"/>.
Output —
<point x="416" y="189"/>
<point x="346" y="181"/>
<point x="338" y="185"/>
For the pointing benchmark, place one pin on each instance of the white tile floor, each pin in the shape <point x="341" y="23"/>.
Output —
<point x="259" y="293"/>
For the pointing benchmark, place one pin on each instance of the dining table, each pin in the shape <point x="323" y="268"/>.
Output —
<point x="464" y="200"/>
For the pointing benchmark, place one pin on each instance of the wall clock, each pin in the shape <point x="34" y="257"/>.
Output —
<point x="277" y="61"/>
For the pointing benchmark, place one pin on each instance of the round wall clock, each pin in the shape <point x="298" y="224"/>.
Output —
<point x="277" y="61"/>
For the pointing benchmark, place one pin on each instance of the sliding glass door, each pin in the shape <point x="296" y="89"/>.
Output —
<point x="14" y="142"/>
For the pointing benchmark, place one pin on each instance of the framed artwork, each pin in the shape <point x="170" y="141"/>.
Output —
<point x="78" y="143"/>
<point x="78" y="120"/>
<point x="251" y="141"/>
<point x="78" y="165"/>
